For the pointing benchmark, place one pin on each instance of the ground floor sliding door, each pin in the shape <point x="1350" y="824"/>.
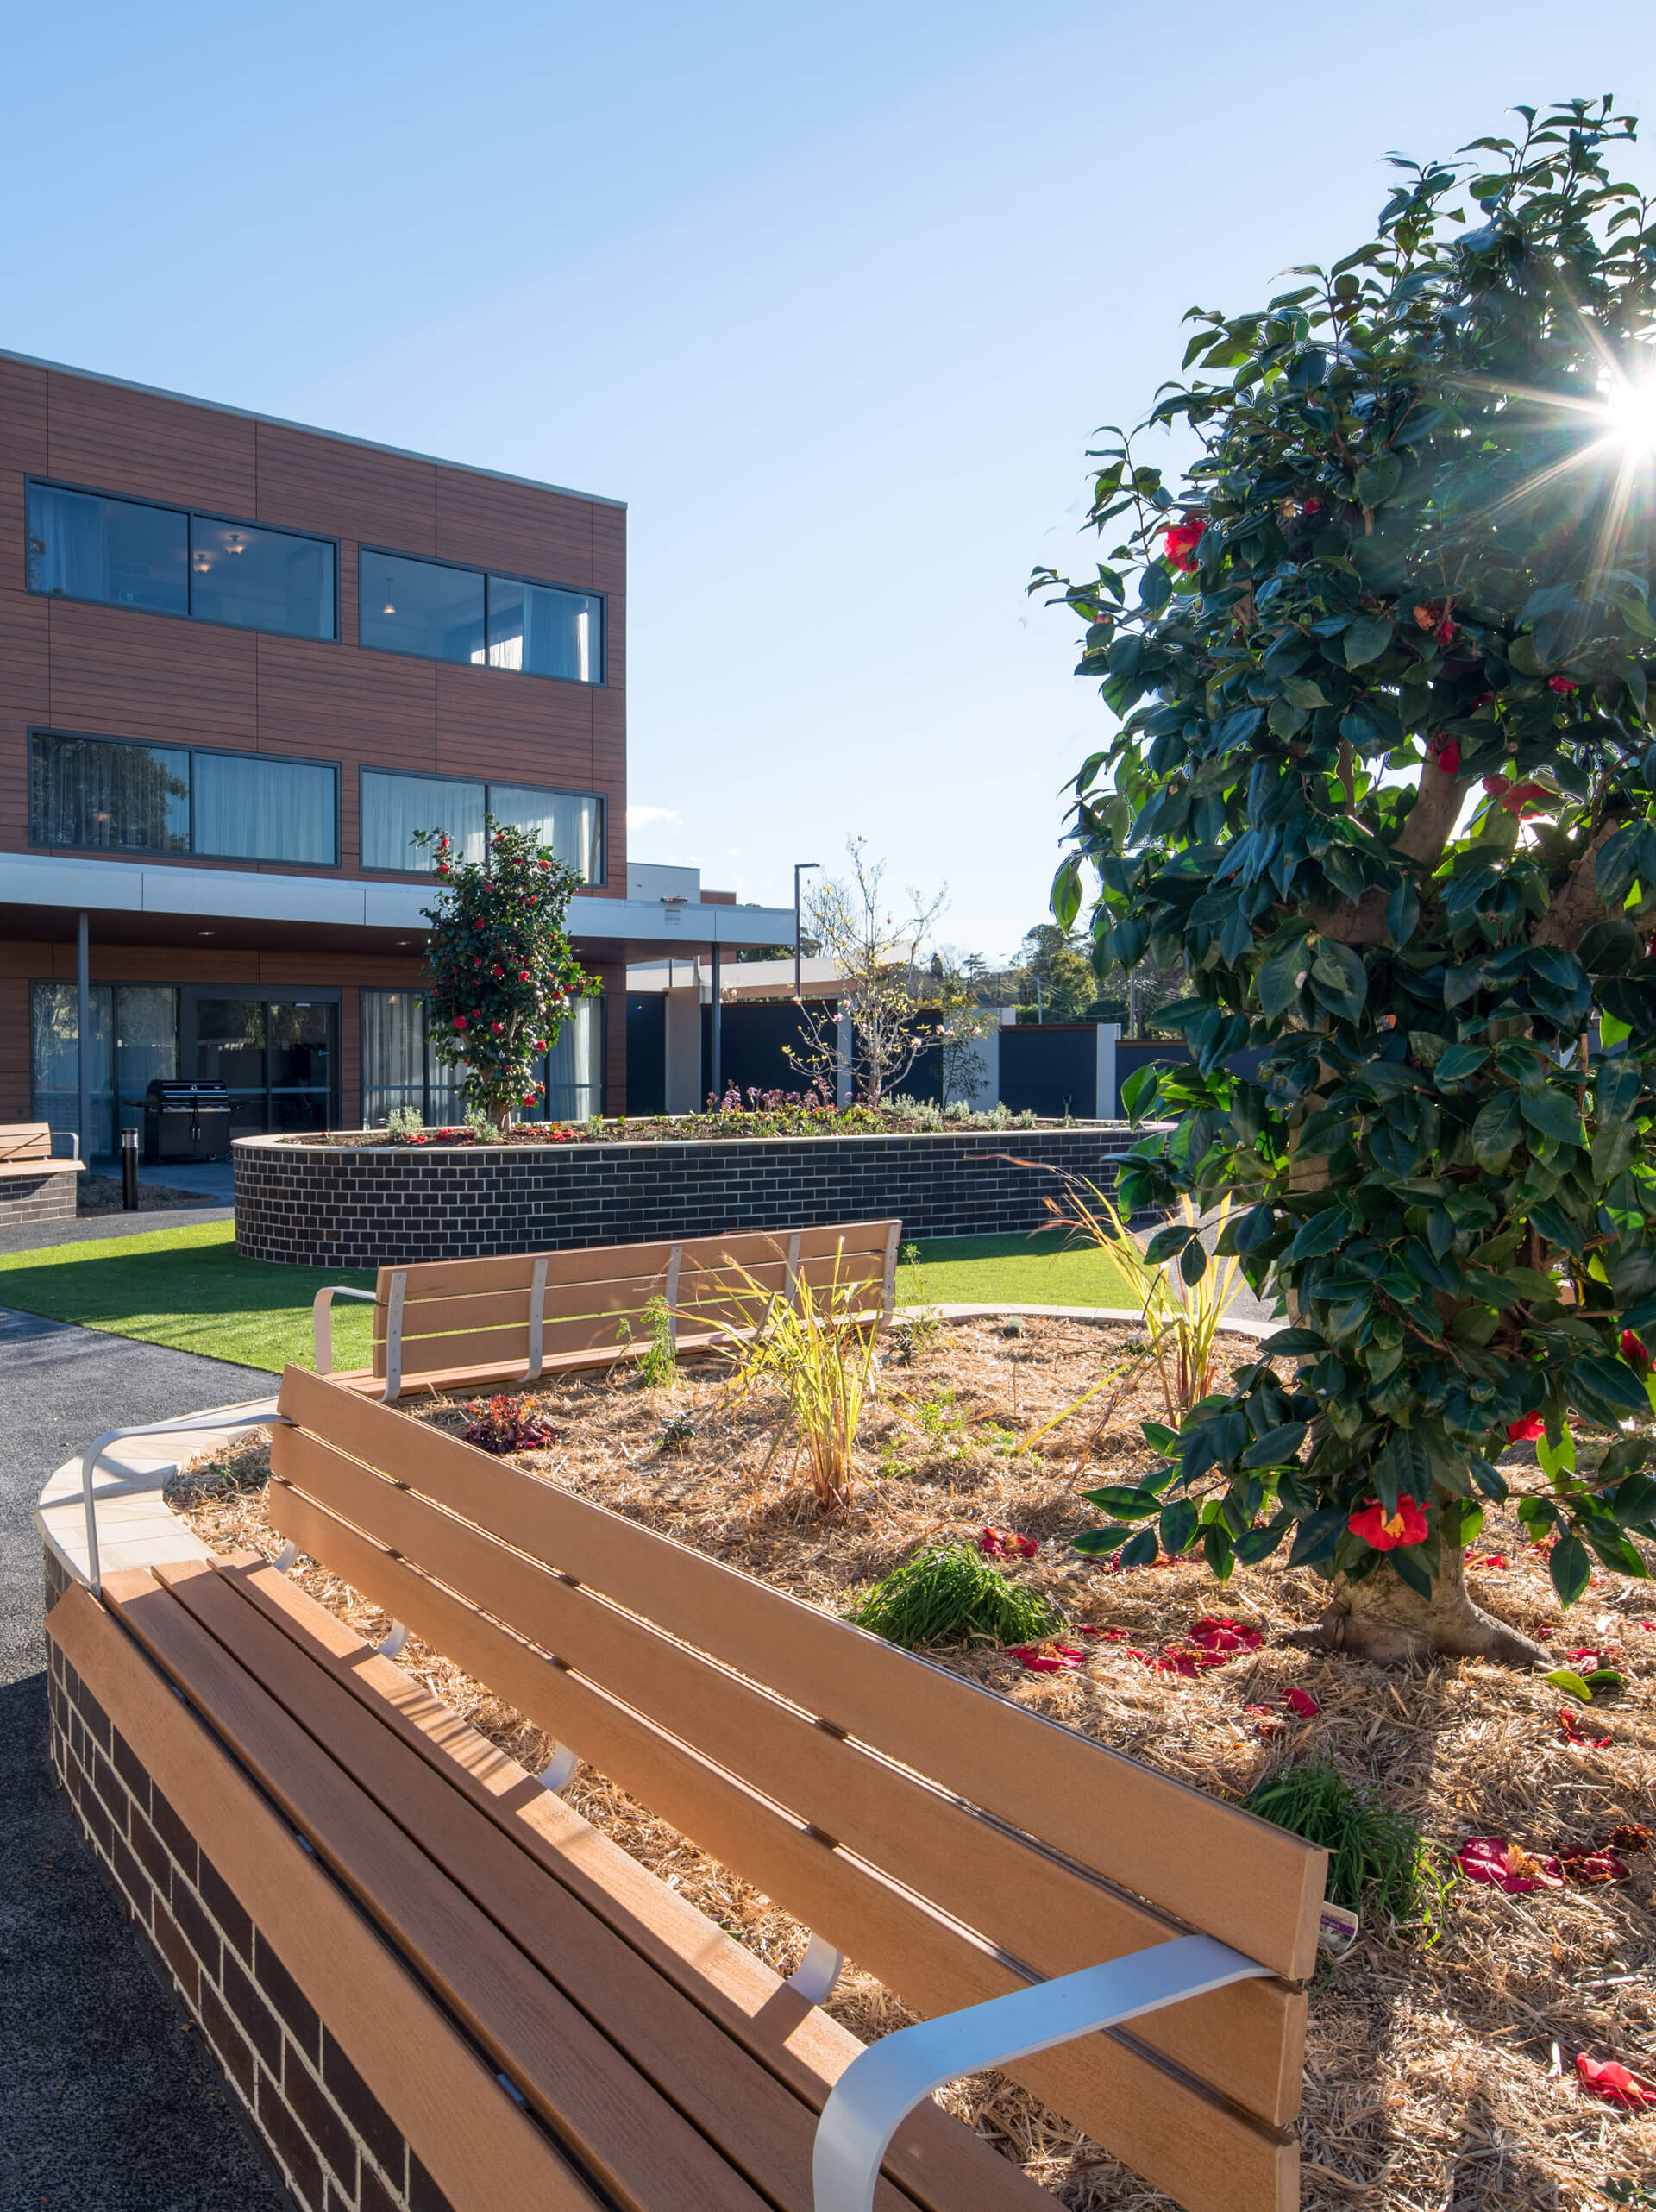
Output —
<point x="278" y="1058"/>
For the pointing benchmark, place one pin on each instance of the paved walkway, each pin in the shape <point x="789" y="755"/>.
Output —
<point x="90" y="1226"/>
<point x="108" y="2101"/>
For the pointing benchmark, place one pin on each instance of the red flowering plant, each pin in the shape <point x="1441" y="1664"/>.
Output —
<point x="1409" y="556"/>
<point x="503" y="976"/>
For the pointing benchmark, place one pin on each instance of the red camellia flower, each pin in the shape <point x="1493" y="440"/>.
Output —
<point x="1313" y="506"/>
<point x="522" y="975"/>
<point x="1179" y="546"/>
<point x="1508" y="1866"/>
<point x="1483" y="699"/>
<point x="1405" y="1527"/>
<point x="459" y="1021"/>
<point x="1446" y="753"/>
<point x="1525" y="1431"/>
<point x="499" y="1027"/>
<point x="1632" y="1349"/>
<point x="1561" y="684"/>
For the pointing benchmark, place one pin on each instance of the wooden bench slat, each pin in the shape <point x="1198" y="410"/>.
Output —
<point x="939" y="2163"/>
<point x="1246" y="2041"/>
<point x="1146" y="1832"/>
<point x="480" y="2149"/>
<point x="598" y="1263"/>
<point x="759" y="2125"/>
<point x="638" y="2145"/>
<point x="1206" y="2153"/>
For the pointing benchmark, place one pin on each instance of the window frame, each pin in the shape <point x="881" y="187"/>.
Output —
<point x="148" y="852"/>
<point x="599" y="882"/>
<point x="206" y="514"/>
<point x="599" y="682"/>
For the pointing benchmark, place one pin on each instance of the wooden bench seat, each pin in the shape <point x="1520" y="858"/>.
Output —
<point x="956" y="1845"/>
<point x="26" y="1150"/>
<point x="460" y="1324"/>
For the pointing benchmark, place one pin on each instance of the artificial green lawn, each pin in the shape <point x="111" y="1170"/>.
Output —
<point x="192" y="1289"/>
<point x="1011" y="1271"/>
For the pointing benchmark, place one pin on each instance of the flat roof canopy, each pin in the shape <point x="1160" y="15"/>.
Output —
<point x="139" y="902"/>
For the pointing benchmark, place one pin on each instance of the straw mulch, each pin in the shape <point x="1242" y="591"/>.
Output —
<point x="1440" y="2067"/>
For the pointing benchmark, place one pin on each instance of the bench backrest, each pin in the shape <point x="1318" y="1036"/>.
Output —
<point x="25" y="1140"/>
<point x="537" y="1307"/>
<point x="954" y="1844"/>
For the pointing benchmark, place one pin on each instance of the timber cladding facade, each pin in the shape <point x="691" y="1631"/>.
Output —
<point x="240" y="662"/>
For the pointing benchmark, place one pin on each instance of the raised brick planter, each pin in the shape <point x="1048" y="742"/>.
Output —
<point x="336" y="2145"/>
<point x="26" y="1200"/>
<point x="339" y="1206"/>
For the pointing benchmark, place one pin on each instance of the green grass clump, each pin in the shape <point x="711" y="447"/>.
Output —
<point x="948" y="1594"/>
<point x="1379" y="1862"/>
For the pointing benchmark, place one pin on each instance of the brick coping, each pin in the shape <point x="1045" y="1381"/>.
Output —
<point x="283" y="1145"/>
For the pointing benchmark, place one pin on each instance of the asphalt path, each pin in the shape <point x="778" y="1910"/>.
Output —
<point x="109" y="2101"/>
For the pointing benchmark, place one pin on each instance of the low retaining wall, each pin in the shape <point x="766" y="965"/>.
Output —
<point x="26" y="1199"/>
<point x="339" y="1206"/>
<point x="334" y="2143"/>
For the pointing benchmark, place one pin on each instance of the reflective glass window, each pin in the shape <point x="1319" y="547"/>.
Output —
<point x="420" y="606"/>
<point x="249" y="808"/>
<point x="543" y="631"/>
<point x="260" y="579"/>
<point x="83" y="546"/>
<point x="394" y="806"/>
<point x="103" y="795"/>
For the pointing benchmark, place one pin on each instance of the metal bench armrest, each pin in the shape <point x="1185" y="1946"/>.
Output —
<point x="891" y="2077"/>
<point x="322" y="1321"/>
<point x="268" y="1419"/>
<point x="74" y="1136"/>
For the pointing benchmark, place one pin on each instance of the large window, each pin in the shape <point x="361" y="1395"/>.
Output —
<point x="400" y="1068"/>
<point x="135" y="1040"/>
<point x="446" y="613"/>
<point x="108" y="794"/>
<point x="168" y="561"/>
<point x="395" y="806"/>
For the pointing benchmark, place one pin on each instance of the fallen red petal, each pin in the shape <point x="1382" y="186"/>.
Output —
<point x="1508" y="1866"/>
<point x="1061" y="1660"/>
<point x="1303" y="1702"/>
<point x="1490" y="1559"/>
<point x="1581" y="1864"/>
<point x="1613" y="2082"/>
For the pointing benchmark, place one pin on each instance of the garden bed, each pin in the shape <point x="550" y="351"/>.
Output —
<point x="1441" y="2053"/>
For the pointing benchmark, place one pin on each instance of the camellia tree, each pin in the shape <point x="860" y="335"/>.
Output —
<point x="1385" y="778"/>
<point x="503" y="978"/>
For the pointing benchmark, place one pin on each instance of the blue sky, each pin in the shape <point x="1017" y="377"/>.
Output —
<point x="832" y="298"/>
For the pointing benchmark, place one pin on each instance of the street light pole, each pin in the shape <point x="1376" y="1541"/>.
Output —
<point x="799" y="866"/>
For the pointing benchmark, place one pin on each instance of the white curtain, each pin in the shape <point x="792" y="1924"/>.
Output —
<point x="566" y="821"/>
<point x="249" y="809"/>
<point x="67" y="548"/>
<point x="393" y="806"/>
<point x="575" y="1073"/>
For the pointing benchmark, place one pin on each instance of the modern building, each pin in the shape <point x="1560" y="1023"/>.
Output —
<point x="240" y="662"/>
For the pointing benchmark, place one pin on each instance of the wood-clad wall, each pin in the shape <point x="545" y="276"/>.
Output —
<point x="123" y="674"/>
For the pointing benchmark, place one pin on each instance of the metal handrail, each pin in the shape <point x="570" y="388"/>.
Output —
<point x="890" y="2077"/>
<point x="322" y="1321"/>
<point x="181" y="1427"/>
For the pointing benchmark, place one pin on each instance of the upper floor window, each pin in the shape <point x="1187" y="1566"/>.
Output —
<point x="447" y="613"/>
<point x="395" y="806"/>
<point x="108" y="794"/>
<point x="168" y="561"/>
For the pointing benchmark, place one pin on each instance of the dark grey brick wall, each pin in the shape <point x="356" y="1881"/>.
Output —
<point x="26" y="1199"/>
<point x="337" y="2148"/>
<point x="334" y="1206"/>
